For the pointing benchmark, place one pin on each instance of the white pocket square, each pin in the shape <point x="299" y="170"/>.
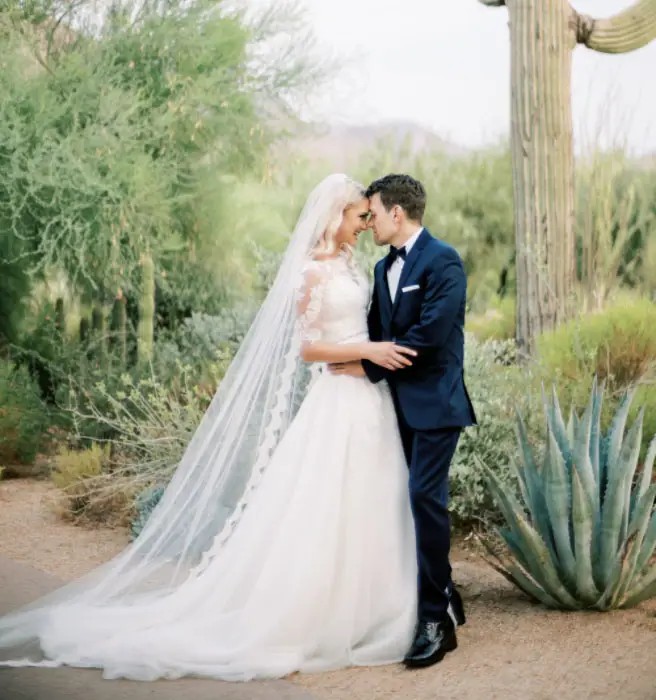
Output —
<point x="411" y="288"/>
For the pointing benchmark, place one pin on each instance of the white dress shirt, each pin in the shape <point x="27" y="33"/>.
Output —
<point x="395" y="269"/>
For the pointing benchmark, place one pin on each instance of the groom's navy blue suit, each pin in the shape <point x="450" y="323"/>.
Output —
<point x="432" y="404"/>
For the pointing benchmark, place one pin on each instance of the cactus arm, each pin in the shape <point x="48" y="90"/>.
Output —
<point x="626" y="31"/>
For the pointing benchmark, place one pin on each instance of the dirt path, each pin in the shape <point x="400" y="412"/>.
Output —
<point x="509" y="649"/>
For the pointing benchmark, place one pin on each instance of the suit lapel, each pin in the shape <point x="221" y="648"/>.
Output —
<point x="410" y="262"/>
<point x="383" y="288"/>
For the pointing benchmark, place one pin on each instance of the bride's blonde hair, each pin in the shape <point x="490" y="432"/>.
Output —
<point x="353" y="193"/>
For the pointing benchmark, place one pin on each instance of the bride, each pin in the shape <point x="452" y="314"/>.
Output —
<point x="284" y="541"/>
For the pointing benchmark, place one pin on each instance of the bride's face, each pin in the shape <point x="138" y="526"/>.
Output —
<point x="355" y="220"/>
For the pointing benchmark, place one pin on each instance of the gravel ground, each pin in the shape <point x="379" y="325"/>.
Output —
<point x="510" y="648"/>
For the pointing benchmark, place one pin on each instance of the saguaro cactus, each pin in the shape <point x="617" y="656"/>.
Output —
<point x="98" y="329"/>
<point x="119" y="329"/>
<point x="60" y="316"/>
<point x="146" y="329"/>
<point x="543" y="34"/>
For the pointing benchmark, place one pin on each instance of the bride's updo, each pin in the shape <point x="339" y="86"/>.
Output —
<point x="352" y="194"/>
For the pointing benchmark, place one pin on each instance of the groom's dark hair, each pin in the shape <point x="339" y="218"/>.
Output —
<point x="403" y="190"/>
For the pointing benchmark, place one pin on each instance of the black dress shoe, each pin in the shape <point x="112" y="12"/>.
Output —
<point x="457" y="608"/>
<point x="432" y="641"/>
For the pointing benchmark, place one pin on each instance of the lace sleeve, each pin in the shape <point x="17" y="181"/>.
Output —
<point x="308" y="301"/>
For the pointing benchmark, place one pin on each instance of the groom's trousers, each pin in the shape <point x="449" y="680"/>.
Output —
<point x="429" y="454"/>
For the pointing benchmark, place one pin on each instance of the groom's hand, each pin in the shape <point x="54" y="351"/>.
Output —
<point x="389" y="355"/>
<point x="352" y="369"/>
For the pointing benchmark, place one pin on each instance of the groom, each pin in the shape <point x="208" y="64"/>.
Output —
<point x="419" y="302"/>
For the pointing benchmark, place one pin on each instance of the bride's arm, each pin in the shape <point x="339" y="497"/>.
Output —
<point x="315" y="349"/>
<point x="386" y="355"/>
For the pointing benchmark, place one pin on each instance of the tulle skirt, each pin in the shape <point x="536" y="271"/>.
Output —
<point x="320" y="572"/>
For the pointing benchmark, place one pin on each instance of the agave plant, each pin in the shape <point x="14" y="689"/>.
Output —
<point x="582" y="534"/>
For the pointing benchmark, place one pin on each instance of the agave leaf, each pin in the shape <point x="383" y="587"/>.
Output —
<point x="531" y="476"/>
<point x="522" y="473"/>
<point x="583" y="518"/>
<point x="513" y="536"/>
<point x="572" y="425"/>
<point x="648" y="545"/>
<point x="581" y="455"/>
<point x="629" y="482"/>
<point x="558" y="504"/>
<point x="619" y="483"/>
<point x="647" y="470"/>
<point x="597" y="399"/>
<point x="614" y="577"/>
<point x="521" y="481"/>
<point x="616" y="433"/>
<point x="556" y="423"/>
<point x="583" y="467"/>
<point x="516" y="576"/>
<point x="536" y="552"/>
<point x="613" y="442"/>
<point x="644" y="588"/>
<point x="636" y="535"/>
<point x="513" y="543"/>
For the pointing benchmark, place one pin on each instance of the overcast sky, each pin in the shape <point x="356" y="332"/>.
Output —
<point x="445" y="65"/>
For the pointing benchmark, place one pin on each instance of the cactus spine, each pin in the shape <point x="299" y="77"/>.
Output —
<point x="543" y="34"/>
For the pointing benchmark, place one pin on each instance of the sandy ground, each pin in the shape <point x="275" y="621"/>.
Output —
<point x="510" y="648"/>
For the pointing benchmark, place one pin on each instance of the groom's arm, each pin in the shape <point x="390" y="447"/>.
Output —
<point x="446" y="287"/>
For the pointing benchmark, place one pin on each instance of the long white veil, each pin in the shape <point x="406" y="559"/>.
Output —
<point x="225" y="459"/>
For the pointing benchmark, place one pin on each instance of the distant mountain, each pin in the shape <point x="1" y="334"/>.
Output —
<point x="341" y="146"/>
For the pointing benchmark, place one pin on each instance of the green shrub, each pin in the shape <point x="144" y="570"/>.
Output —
<point x="148" y="427"/>
<point x="23" y="415"/>
<point x="496" y="387"/>
<point x="618" y="345"/>
<point x="497" y="323"/>
<point x="89" y="490"/>
<point x="204" y="345"/>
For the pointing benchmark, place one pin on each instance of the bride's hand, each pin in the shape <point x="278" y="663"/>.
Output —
<point x="389" y="355"/>
<point x="352" y="369"/>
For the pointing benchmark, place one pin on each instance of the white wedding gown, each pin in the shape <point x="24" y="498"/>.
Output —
<point x="320" y="571"/>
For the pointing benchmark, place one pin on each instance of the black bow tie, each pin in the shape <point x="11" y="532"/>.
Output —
<point x="395" y="253"/>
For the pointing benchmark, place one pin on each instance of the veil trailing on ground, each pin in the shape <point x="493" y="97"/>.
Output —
<point x="225" y="459"/>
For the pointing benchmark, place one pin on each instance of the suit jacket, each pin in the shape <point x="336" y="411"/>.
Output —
<point x="428" y="317"/>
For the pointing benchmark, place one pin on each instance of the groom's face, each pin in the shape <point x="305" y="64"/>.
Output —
<point x="384" y="224"/>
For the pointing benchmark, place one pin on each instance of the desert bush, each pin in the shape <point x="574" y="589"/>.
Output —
<point x="24" y="418"/>
<point x="89" y="491"/>
<point x="203" y="344"/>
<point x="147" y="426"/>
<point x="497" y="322"/>
<point x="496" y="388"/>
<point x="618" y="345"/>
